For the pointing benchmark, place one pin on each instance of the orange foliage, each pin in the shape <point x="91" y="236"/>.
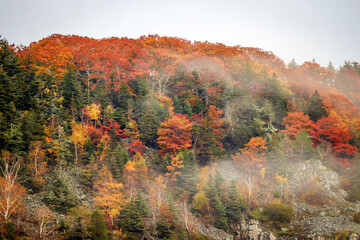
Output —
<point x="175" y="164"/>
<point x="252" y="155"/>
<point x="109" y="197"/>
<point x="175" y="134"/>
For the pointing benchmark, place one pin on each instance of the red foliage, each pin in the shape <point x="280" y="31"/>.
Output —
<point x="95" y="134"/>
<point x="329" y="129"/>
<point x="136" y="146"/>
<point x="295" y="122"/>
<point x="114" y="127"/>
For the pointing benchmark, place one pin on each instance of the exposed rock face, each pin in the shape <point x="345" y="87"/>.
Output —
<point x="311" y="169"/>
<point x="212" y="232"/>
<point x="317" y="226"/>
<point x="253" y="231"/>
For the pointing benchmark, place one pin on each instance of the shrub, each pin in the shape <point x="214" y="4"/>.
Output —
<point x="313" y="193"/>
<point x="277" y="211"/>
<point x="353" y="194"/>
<point x="356" y="217"/>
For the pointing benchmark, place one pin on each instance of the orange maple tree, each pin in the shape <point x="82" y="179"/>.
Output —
<point x="175" y="165"/>
<point x="175" y="134"/>
<point x="252" y="155"/>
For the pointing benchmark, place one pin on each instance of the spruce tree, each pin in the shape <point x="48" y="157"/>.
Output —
<point x="235" y="206"/>
<point x="177" y="105"/>
<point x="98" y="227"/>
<point x="187" y="109"/>
<point x="149" y="124"/>
<point x="131" y="221"/>
<point x="316" y="109"/>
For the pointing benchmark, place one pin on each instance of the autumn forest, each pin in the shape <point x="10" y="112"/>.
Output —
<point x="165" y="138"/>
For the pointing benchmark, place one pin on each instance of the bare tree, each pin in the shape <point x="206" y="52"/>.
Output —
<point x="11" y="192"/>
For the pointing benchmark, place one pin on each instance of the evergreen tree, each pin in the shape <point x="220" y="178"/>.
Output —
<point x="220" y="210"/>
<point x="97" y="227"/>
<point x="235" y="206"/>
<point x="118" y="161"/>
<point x="131" y="221"/>
<point x="58" y="196"/>
<point x="70" y="93"/>
<point x="141" y="205"/>
<point x="331" y="68"/>
<point x="177" y="105"/>
<point x="316" y="109"/>
<point x="187" y="109"/>
<point x="124" y="95"/>
<point x="293" y="64"/>
<point x="149" y="124"/>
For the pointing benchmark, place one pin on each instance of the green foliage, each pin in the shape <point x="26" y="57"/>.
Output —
<point x="187" y="109"/>
<point x="9" y="233"/>
<point x="256" y="214"/>
<point x="118" y="161"/>
<point x="71" y="94"/>
<point x="149" y="124"/>
<point x="353" y="194"/>
<point x="304" y="146"/>
<point x="26" y="179"/>
<point x="87" y="178"/>
<point x="316" y="108"/>
<point x="131" y="220"/>
<point x="177" y="105"/>
<point x="277" y="211"/>
<point x="58" y="196"/>
<point x="235" y="205"/>
<point x="212" y="192"/>
<point x="97" y="228"/>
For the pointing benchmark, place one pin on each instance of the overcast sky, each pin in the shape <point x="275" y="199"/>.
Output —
<point x="301" y="29"/>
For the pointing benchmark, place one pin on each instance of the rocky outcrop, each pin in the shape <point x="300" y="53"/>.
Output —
<point x="315" y="169"/>
<point x="212" y="232"/>
<point x="320" y="225"/>
<point x="252" y="230"/>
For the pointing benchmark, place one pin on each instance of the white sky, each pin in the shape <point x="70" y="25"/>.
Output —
<point x="327" y="30"/>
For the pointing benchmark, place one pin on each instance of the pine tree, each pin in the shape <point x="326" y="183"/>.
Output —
<point x="98" y="227"/>
<point x="149" y="124"/>
<point x="316" y="108"/>
<point x="293" y="64"/>
<point x="131" y="221"/>
<point x="187" y="109"/>
<point x="331" y="68"/>
<point x="118" y="161"/>
<point x="177" y="105"/>
<point x="213" y="194"/>
<point x="235" y="206"/>
<point x="70" y="93"/>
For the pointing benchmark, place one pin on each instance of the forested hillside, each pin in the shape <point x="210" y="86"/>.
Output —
<point x="124" y="138"/>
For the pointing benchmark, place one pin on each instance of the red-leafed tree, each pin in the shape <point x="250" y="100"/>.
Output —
<point x="114" y="129"/>
<point x="175" y="134"/>
<point x="328" y="129"/>
<point x="295" y="122"/>
<point x="136" y="146"/>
